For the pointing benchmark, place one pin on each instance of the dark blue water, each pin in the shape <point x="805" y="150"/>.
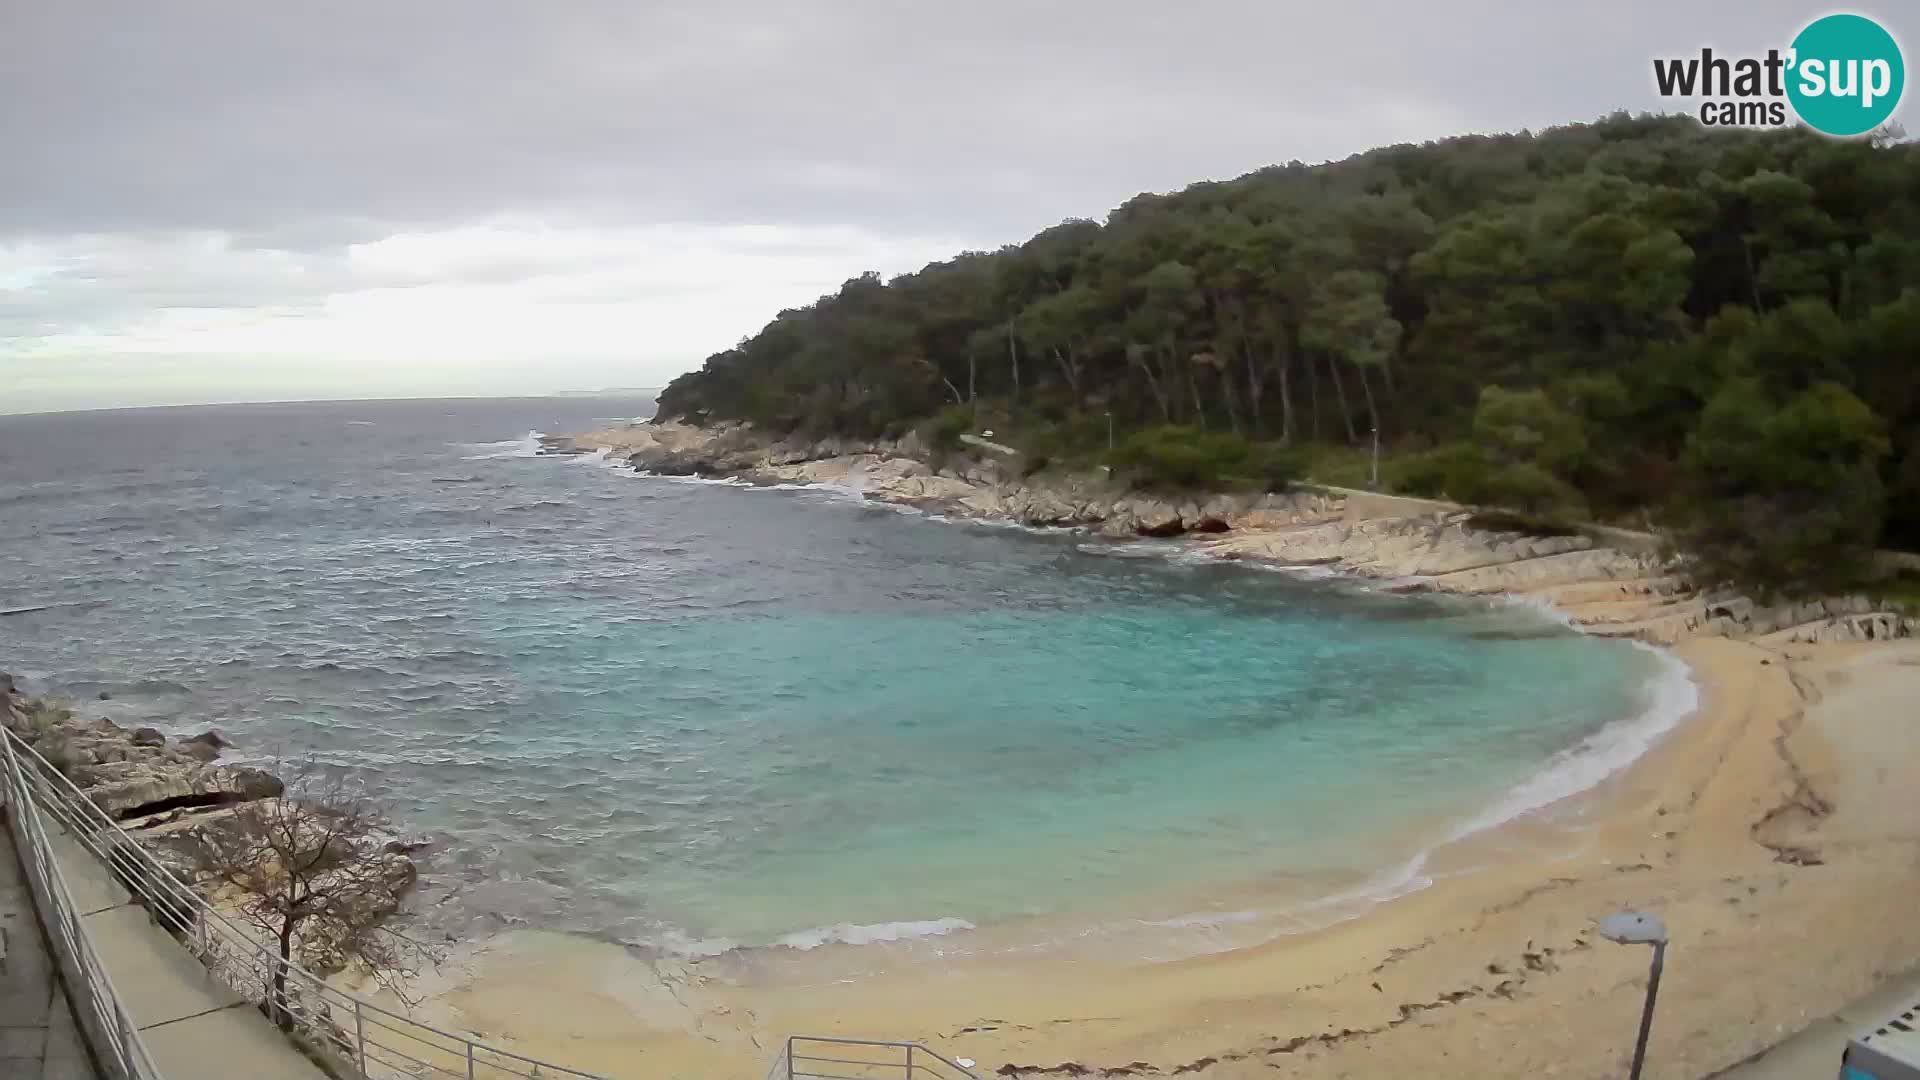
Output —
<point x="694" y="715"/>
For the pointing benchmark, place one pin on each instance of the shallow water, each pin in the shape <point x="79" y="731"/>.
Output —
<point x="696" y="715"/>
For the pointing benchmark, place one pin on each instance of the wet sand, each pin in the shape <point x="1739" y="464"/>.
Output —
<point x="1776" y="831"/>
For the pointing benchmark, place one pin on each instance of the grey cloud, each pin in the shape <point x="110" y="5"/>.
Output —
<point x="309" y="126"/>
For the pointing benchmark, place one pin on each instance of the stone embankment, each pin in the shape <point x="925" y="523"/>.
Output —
<point x="1601" y="587"/>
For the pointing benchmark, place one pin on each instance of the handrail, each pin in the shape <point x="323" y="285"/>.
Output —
<point x="815" y="1057"/>
<point x="359" y="1036"/>
<point x="100" y="1009"/>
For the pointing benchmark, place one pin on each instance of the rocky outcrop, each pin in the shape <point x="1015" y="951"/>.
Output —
<point x="1615" y="585"/>
<point x="164" y="794"/>
<point x="131" y="773"/>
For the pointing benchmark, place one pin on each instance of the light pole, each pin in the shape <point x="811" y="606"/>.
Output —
<point x="1109" y="415"/>
<point x="1638" y="928"/>
<point x="1376" y="458"/>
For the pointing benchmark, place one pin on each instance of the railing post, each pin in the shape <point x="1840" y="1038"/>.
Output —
<point x="909" y="1061"/>
<point x="469" y="1059"/>
<point x="789" y="1057"/>
<point x="360" y="1036"/>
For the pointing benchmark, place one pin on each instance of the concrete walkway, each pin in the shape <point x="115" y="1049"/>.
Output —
<point x="37" y="1036"/>
<point x="195" y="1027"/>
<point x="1814" y="1052"/>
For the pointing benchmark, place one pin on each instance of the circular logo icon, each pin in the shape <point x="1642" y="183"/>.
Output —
<point x="1847" y="74"/>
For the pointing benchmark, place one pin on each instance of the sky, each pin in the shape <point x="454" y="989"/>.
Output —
<point x="245" y="201"/>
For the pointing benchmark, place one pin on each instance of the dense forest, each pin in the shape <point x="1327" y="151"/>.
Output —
<point x="1639" y="320"/>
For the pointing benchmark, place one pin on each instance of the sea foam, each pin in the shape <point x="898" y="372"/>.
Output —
<point x="525" y="446"/>
<point x="1669" y="697"/>
<point x="872" y="933"/>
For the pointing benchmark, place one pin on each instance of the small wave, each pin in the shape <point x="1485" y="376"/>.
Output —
<point x="679" y="944"/>
<point x="711" y="481"/>
<point x="527" y="445"/>
<point x="1540" y="606"/>
<point x="1016" y="526"/>
<point x="872" y="933"/>
<point x="1671" y="696"/>
<point x="1207" y="920"/>
<point x="1309" y="571"/>
<point x="593" y="457"/>
<point x="1133" y="549"/>
<point x="1390" y="884"/>
<point x="360" y="423"/>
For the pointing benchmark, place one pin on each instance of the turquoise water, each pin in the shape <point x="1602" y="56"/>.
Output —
<point x="693" y="716"/>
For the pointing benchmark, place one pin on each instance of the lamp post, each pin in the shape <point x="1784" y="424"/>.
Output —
<point x="1639" y="928"/>
<point x="1109" y="415"/>
<point x="1375" y="484"/>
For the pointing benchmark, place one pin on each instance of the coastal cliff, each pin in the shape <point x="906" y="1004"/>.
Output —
<point x="1604" y="582"/>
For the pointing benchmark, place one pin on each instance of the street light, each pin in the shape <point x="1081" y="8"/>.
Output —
<point x="1639" y="928"/>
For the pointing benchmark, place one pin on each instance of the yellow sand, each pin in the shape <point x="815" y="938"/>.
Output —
<point x="1492" y="972"/>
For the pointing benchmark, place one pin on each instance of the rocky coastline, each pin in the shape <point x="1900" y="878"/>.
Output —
<point x="1605" y="582"/>
<point x="163" y="791"/>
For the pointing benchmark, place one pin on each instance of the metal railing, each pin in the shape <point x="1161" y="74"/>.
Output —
<point x="98" y="1009"/>
<point x="825" y="1057"/>
<point x="353" y="1035"/>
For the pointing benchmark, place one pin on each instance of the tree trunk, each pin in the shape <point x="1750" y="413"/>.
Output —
<point x="1013" y="360"/>
<point x="1373" y="414"/>
<point x="1313" y="399"/>
<point x="1229" y="398"/>
<point x="1340" y="388"/>
<point x="1153" y="385"/>
<point x="1193" y="387"/>
<point x="277" y="1000"/>
<point x="972" y="375"/>
<point x="1256" y="388"/>
<point x="1170" y="385"/>
<point x="1070" y="369"/>
<point x="1286" y="396"/>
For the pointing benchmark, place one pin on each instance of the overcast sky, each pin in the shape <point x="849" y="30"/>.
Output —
<point x="261" y="200"/>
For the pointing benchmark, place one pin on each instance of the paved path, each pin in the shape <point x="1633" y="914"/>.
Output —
<point x="1814" y="1052"/>
<point x="195" y="1027"/>
<point x="37" y="1036"/>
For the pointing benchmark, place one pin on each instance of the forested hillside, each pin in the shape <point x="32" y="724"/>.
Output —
<point x="1636" y="319"/>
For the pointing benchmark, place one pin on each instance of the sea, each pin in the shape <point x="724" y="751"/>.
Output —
<point x="701" y="717"/>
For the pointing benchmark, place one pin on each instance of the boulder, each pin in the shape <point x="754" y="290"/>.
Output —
<point x="123" y="788"/>
<point x="205" y="746"/>
<point x="147" y="736"/>
<point x="199" y="751"/>
<point x="1152" y="517"/>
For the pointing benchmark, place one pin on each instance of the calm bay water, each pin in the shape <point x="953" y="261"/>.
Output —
<point x="693" y="715"/>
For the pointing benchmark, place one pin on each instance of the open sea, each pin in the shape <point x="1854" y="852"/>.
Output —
<point x="697" y="717"/>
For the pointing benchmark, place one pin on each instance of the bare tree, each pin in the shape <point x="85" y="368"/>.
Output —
<point x="311" y="869"/>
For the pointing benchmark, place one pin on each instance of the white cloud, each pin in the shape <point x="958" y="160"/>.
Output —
<point x="508" y="306"/>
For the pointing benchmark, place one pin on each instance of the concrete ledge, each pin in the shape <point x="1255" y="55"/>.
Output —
<point x="232" y="1044"/>
<point x="158" y="980"/>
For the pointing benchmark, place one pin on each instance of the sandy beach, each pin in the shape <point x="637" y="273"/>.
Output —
<point x="1774" y="831"/>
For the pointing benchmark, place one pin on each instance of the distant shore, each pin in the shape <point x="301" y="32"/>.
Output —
<point x="1768" y="829"/>
<point x="1605" y="582"/>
